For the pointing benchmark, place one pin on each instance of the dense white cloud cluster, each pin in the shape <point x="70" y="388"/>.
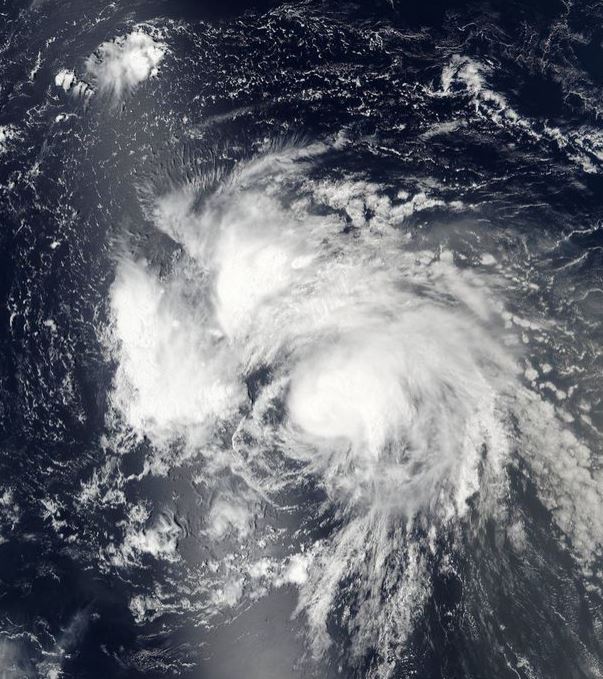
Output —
<point x="119" y="65"/>
<point x="391" y="377"/>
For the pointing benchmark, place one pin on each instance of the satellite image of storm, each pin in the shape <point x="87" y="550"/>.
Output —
<point x="301" y="339"/>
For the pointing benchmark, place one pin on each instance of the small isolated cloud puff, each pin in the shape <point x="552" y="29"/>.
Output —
<point x="122" y="64"/>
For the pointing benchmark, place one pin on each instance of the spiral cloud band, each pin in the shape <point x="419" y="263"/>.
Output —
<point x="296" y="340"/>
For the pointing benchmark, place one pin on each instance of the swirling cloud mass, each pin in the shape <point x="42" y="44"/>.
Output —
<point x="290" y="344"/>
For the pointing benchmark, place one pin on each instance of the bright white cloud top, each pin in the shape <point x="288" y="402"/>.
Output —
<point x="383" y="371"/>
<point x="120" y="65"/>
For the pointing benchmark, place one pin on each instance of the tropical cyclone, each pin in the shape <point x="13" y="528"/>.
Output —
<point x="300" y="367"/>
<point x="389" y="380"/>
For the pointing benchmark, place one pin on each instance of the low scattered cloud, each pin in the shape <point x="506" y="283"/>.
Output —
<point x="8" y="135"/>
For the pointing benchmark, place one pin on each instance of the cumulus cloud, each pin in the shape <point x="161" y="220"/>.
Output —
<point x="229" y="515"/>
<point x="158" y="539"/>
<point x="120" y="65"/>
<point x="69" y="82"/>
<point x="176" y="374"/>
<point x="64" y="79"/>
